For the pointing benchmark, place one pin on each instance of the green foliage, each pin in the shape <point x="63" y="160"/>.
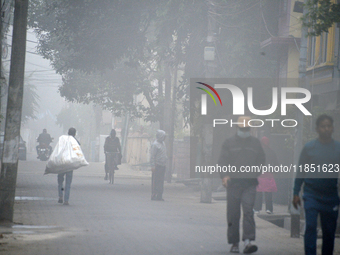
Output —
<point x="321" y="16"/>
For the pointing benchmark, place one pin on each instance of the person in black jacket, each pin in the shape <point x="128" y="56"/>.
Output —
<point x="241" y="151"/>
<point x="112" y="144"/>
<point x="44" y="138"/>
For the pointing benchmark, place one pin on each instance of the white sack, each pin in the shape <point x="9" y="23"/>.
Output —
<point x="66" y="156"/>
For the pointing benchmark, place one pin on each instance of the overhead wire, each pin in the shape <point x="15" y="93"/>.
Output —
<point x="26" y="39"/>
<point x="237" y="13"/>
<point x="39" y="71"/>
<point x="224" y="6"/>
<point x="215" y="15"/>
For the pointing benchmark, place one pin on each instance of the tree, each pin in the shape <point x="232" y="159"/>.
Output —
<point x="88" y="35"/>
<point x="114" y="90"/>
<point x="182" y="35"/>
<point x="97" y="46"/>
<point x="321" y="16"/>
<point x="86" y="40"/>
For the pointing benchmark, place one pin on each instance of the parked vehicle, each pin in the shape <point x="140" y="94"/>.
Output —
<point x="22" y="147"/>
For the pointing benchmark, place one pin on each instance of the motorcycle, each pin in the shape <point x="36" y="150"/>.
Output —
<point x="44" y="151"/>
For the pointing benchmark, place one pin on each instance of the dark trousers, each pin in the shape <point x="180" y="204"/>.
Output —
<point x="109" y="162"/>
<point x="328" y="225"/>
<point x="237" y="196"/>
<point x="268" y="196"/>
<point x="157" y="185"/>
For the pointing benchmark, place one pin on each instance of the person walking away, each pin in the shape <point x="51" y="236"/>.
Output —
<point x="158" y="162"/>
<point x="72" y="132"/>
<point x="320" y="194"/>
<point x="111" y="145"/>
<point x="241" y="150"/>
<point x="267" y="184"/>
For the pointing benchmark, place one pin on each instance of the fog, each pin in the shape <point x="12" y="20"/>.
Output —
<point x="172" y="79"/>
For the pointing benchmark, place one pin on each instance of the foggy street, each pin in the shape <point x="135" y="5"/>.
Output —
<point x="121" y="218"/>
<point x="223" y="117"/>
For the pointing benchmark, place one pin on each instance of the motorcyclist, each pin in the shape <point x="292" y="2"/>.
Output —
<point x="44" y="138"/>
<point x="112" y="144"/>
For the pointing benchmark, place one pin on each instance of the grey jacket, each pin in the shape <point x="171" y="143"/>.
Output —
<point x="158" y="150"/>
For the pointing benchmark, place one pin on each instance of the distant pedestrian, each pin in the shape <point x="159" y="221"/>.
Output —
<point x="112" y="145"/>
<point x="158" y="162"/>
<point x="267" y="184"/>
<point x="241" y="150"/>
<point x="68" y="175"/>
<point x="320" y="194"/>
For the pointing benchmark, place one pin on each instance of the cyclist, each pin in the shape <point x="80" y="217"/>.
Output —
<point x="112" y="144"/>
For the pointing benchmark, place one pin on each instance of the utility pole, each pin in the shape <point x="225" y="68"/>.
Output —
<point x="1" y="16"/>
<point x="9" y="167"/>
<point x="207" y="181"/>
<point x="295" y="218"/>
<point x="1" y="77"/>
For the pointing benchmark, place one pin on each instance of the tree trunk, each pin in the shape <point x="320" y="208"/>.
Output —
<point x="167" y="115"/>
<point x="161" y="103"/>
<point x="98" y="116"/>
<point x="172" y="125"/>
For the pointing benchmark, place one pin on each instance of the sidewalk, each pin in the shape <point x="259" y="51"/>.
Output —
<point x="121" y="219"/>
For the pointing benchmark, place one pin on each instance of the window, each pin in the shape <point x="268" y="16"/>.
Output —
<point x="320" y="49"/>
<point x="311" y="50"/>
<point x="323" y="48"/>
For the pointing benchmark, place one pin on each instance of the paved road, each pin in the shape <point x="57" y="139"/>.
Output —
<point x="121" y="218"/>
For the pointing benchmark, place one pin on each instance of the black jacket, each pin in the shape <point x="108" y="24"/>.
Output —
<point x="112" y="144"/>
<point x="44" y="138"/>
<point x="241" y="153"/>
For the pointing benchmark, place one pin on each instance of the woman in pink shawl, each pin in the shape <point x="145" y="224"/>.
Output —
<point x="267" y="184"/>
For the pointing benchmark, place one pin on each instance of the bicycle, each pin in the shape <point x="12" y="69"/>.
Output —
<point x="111" y="164"/>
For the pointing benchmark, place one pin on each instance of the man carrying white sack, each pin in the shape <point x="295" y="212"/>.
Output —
<point x="66" y="157"/>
